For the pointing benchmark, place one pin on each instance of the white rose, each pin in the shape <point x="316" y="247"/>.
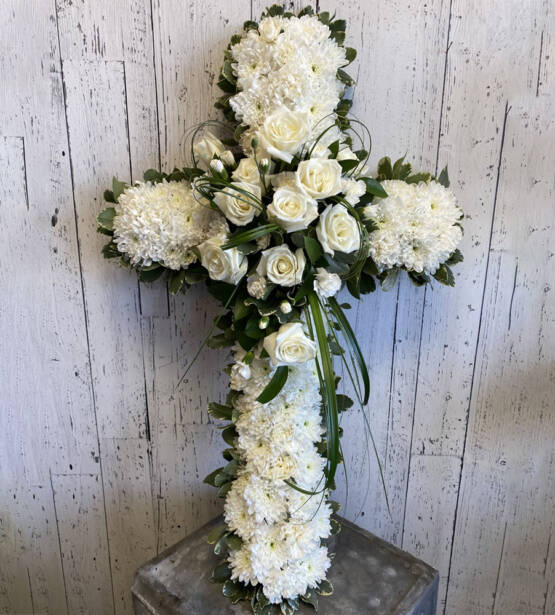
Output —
<point x="283" y="133"/>
<point x="247" y="172"/>
<point x="353" y="190"/>
<point x="326" y="284"/>
<point x="281" y="266"/>
<point x="223" y="265"/>
<point x="270" y="28"/>
<point x="320" y="177"/>
<point x="206" y="148"/>
<point x="292" y="209"/>
<point x="236" y="206"/>
<point x="289" y="345"/>
<point x="348" y="154"/>
<point x="338" y="230"/>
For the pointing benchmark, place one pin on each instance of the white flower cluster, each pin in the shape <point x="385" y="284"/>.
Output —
<point x="281" y="528"/>
<point x="416" y="226"/>
<point x="288" y="62"/>
<point x="162" y="222"/>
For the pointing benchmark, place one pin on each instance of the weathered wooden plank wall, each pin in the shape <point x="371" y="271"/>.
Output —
<point x="101" y="461"/>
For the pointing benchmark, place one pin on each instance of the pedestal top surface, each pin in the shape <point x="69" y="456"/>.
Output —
<point x="369" y="576"/>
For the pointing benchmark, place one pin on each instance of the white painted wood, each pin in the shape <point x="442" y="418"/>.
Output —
<point x="102" y="458"/>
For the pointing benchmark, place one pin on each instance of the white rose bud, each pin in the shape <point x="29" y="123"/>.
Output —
<point x="292" y="209"/>
<point x="285" y="307"/>
<point x="326" y="284"/>
<point x="217" y="165"/>
<point x="256" y="286"/>
<point x="223" y="265"/>
<point x="263" y="322"/>
<point x="320" y="177"/>
<point x="238" y="207"/>
<point x="283" y="133"/>
<point x="265" y="164"/>
<point x="337" y="230"/>
<point x="205" y="149"/>
<point x="289" y="345"/>
<point x="228" y="158"/>
<point x="281" y="266"/>
<point x="270" y="28"/>
<point x="247" y="172"/>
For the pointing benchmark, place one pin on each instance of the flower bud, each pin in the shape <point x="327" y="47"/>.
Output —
<point x="228" y="158"/>
<point x="263" y="322"/>
<point x="285" y="307"/>
<point x="217" y="165"/>
<point x="264" y="165"/>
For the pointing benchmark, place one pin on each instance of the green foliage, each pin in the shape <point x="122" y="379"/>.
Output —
<point x="312" y="248"/>
<point x="275" y="385"/>
<point x="445" y="276"/>
<point x="117" y="188"/>
<point x="443" y="178"/>
<point x="106" y="218"/>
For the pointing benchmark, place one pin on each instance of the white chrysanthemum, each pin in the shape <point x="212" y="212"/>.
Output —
<point x="281" y="528"/>
<point x="162" y="223"/>
<point x="288" y="63"/>
<point x="417" y="226"/>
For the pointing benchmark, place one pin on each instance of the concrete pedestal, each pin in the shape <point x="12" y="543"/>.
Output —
<point x="369" y="576"/>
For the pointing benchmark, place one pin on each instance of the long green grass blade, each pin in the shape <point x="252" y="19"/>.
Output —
<point x="275" y="385"/>
<point x="327" y="385"/>
<point x="350" y="338"/>
<point x="238" y="239"/>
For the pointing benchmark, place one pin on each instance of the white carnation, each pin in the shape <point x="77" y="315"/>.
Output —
<point x="281" y="528"/>
<point x="417" y="226"/>
<point x="161" y="223"/>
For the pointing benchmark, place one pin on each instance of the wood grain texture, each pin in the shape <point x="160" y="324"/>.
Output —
<point x="102" y="456"/>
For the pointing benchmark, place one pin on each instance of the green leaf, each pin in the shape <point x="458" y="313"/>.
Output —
<point x="341" y="74"/>
<point x="349" y="164"/>
<point x="334" y="149"/>
<point x="445" y="276"/>
<point x="310" y="597"/>
<point x="335" y="527"/>
<point x="152" y="175"/>
<point x="106" y="218"/>
<point x="344" y="403"/>
<point x="353" y="286"/>
<point x="313" y="249"/>
<point x="345" y="105"/>
<point x="234" y="542"/>
<point x="367" y="284"/>
<point x="401" y="169"/>
<point x="224" y="489"/>
<point x="211" y="479"/>
<point x="418" y="177"/>
<point x="231" y="589"/>
<point x="335" y="506"/>
<point x="149" y="275"/>
<point x="385" y="170"/>
<point x="275" y="385"/>
<point x="219" y="341"/>
<point x="351" y="339"/>
<point x="229" y="434"/>
<point x="219" y="411"/>
<point x="177" y="280"/>
<point x="117" y="188"/>
<point x="338" y="24"/>
<point x="221" y="573"/>
<point x="109" y="196"/>
<point x="215" y="534"/>
<point x="250" y="25"/>
<point x="325" y="588"/>
<point x="388" y="280"/>
<point x="374" y="187"/>
<point x="456" y="257"/>
<point x="227" y="72"/>
<point x="350" y="54"/>
<point x="418" y="279"/>
<point x="443" y="178"/>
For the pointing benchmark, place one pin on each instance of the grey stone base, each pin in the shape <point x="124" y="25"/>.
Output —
<point x="369" y="576"/>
